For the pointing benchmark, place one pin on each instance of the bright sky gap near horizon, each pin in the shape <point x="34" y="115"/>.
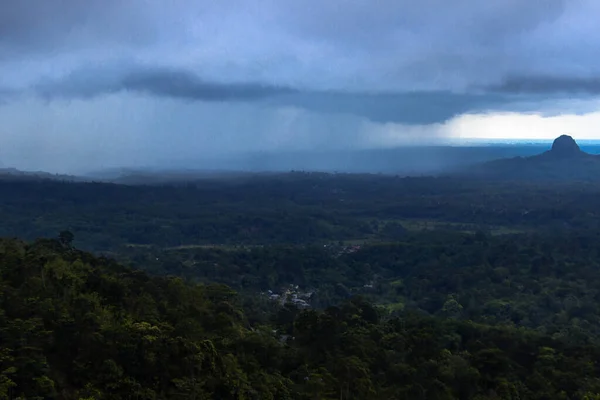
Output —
<point x="88" y="84"/>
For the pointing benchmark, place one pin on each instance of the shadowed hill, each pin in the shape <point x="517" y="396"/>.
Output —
<point x="564" y="161"/>
<point x="565" y="146"/>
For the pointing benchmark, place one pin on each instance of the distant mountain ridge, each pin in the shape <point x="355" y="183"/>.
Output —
<point x="13" y="173"/>
<point x="564" y="161"/>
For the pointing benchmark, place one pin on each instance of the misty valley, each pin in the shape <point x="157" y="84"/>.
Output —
<point x="480" y="283"/>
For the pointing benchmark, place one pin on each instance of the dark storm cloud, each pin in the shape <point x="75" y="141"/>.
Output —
<point x="160" y="82"/>
<point x="400" y="45"/>
<point x="183" y="85"/>
<point x="548" y="84"/>
<point x="358" y="46"/>
<point x="161" y="78"/>
<point x="410" y="107"/>
<point x="388" y="61"/>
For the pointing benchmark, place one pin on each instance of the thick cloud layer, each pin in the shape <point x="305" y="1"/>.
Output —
<point x="357" y="45"/>
<point x="160" y="82"/>
<point x="549" y="84"/>
<point x="405" y="107"/>
<point x="295" y="74"/>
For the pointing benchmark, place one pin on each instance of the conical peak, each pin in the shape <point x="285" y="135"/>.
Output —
<point x="565" y="145"/>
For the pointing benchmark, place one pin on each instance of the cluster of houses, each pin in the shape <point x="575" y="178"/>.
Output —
<point x="292" y="295"/>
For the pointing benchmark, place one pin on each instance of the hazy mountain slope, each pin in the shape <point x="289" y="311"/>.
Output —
<point x="564" y="161"/>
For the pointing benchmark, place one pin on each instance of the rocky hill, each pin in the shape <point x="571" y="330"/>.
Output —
<point x="564" y="161"/>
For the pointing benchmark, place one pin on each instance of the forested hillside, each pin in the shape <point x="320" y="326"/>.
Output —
<point x="543" y="281"/>
<point x="73" y="326"/>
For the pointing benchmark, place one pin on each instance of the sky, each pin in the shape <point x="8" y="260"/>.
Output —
<point x="103" y="83"/>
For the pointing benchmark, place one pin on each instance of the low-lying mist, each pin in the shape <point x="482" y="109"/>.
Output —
<point x="417" y="160"/>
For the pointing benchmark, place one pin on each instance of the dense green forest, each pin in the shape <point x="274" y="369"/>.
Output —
<point x="300" y="286"/>
<point x="545" y="282"/>
<point x="287" y="208"/>
<point x="74" y="326"/>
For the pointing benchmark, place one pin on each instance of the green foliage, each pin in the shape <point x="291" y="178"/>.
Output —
<point x="73" y="326"/>
<point x="539" y="281"/>
<point x="66" y="238"/>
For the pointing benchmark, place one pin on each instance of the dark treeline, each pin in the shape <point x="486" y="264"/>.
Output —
<point x="286" y="208"/>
